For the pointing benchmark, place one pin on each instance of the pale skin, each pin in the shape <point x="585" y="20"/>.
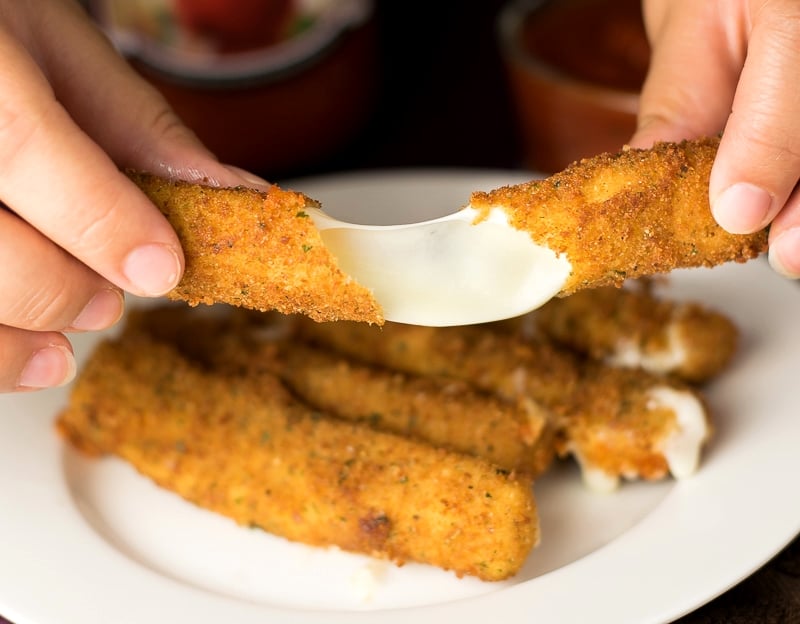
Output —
<point x="731" y="66"/>
<point x="76" y="233"/>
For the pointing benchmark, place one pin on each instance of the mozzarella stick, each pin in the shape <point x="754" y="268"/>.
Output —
<point x="245" y="448"/>
<point x="619" y="216"/>
<point x="257" y="250"/>
<point x="616" y="423"/>
<point x="491" y="361"/>
<point x="444" y="413"/>
<point x="632" y="327"/>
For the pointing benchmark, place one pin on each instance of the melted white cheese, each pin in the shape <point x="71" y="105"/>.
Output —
<point x="595" y="479"/>
<point x="447" y="271"/>
<point x="628" y="354"/>
<point x="366" y="580"/>
<point x="682" y="448"/>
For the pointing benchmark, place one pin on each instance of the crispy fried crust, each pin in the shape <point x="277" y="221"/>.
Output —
<point x="635" y="327"/>
<point x="243" y="447"/>
<point x="617" y="216"/>
<point x="257" y="250"/>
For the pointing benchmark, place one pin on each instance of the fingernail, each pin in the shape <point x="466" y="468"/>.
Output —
<point x="152" y="270"/>
<point x="47" y="368"/>
<point x="250" y="179"/>
<point x="784" y="254"/>
<point x="742" y="208"/>
<point x="103" y="310"/>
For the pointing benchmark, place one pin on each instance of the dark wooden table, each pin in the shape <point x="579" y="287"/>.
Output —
<point x="442" y="102"/>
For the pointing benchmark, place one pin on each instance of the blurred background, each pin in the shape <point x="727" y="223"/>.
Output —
<point x="299" y="87"/>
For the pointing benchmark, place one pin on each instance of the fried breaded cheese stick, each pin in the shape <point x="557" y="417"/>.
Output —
<point x="618" y="216"/>
<point x="633" y="327"/>
<point x="243" y="447"/>
<point x="446" y="413"/>
<point x="489" y="360"/>
<point x="257" y="250"/>
<point x="617" y="423"/>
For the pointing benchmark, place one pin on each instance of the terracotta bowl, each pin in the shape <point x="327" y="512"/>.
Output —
<point x="575" y="68"/>
<point x="268" y="103"/>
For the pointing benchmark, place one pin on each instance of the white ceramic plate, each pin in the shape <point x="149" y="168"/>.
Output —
<point x="91" y="542"/>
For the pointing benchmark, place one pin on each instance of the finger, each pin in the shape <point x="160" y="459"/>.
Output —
<point x="48" y="289"/>
<point x="692" y="74"/>
<point x="62" y="183"/>
<point x="33" y="360"/>
<point x="758" y="162"/>
<point x="127" y="116"/>
<point x="784" y="239"/>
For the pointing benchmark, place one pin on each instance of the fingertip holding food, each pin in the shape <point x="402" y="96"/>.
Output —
<point x="102" y="311"/>
<point x="49" y="367"/>
<point x="784" y="254"/>
<point x="152" y="269"/>
<point x="250" y="179"/>
<point x="742" y="208"/>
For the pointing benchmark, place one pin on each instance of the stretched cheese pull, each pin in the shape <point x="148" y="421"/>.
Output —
<point x="598" y="222"/>
<point x="508" y="251"/>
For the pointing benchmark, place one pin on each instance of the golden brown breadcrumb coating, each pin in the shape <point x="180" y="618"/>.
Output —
<point x="635" y="327"/>
<point x="258" y="250"/>
<point x="444" y="412"/>
<point x="618" y="216"/>
<point x="245" y="448"/>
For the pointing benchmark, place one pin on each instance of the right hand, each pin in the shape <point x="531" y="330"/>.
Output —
<point x="75" y="232"/>
<point x="733" y="66"/>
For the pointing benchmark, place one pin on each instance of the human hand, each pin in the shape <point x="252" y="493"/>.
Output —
<point x="74" y="231"/>
<point x="732" y="66"/>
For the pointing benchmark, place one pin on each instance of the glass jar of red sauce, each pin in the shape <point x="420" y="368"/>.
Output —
<point x="575" y="69"/>
<point x="268" y="85"/>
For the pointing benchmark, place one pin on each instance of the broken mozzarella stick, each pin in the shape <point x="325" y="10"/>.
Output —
<point x="633" y="327"/>
<point x="616" y="422"/>
<point x="245" y="448"/>
<point x="618" y="216"/>
<point x="256" y="249"/>
<point x="629" y="424"/>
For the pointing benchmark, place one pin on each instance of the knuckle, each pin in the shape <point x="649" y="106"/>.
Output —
<point x="96" y="232"/>
<point x="166" y="122"/>
<point x="50" y="306"/>
<point x="17" y="127"/>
